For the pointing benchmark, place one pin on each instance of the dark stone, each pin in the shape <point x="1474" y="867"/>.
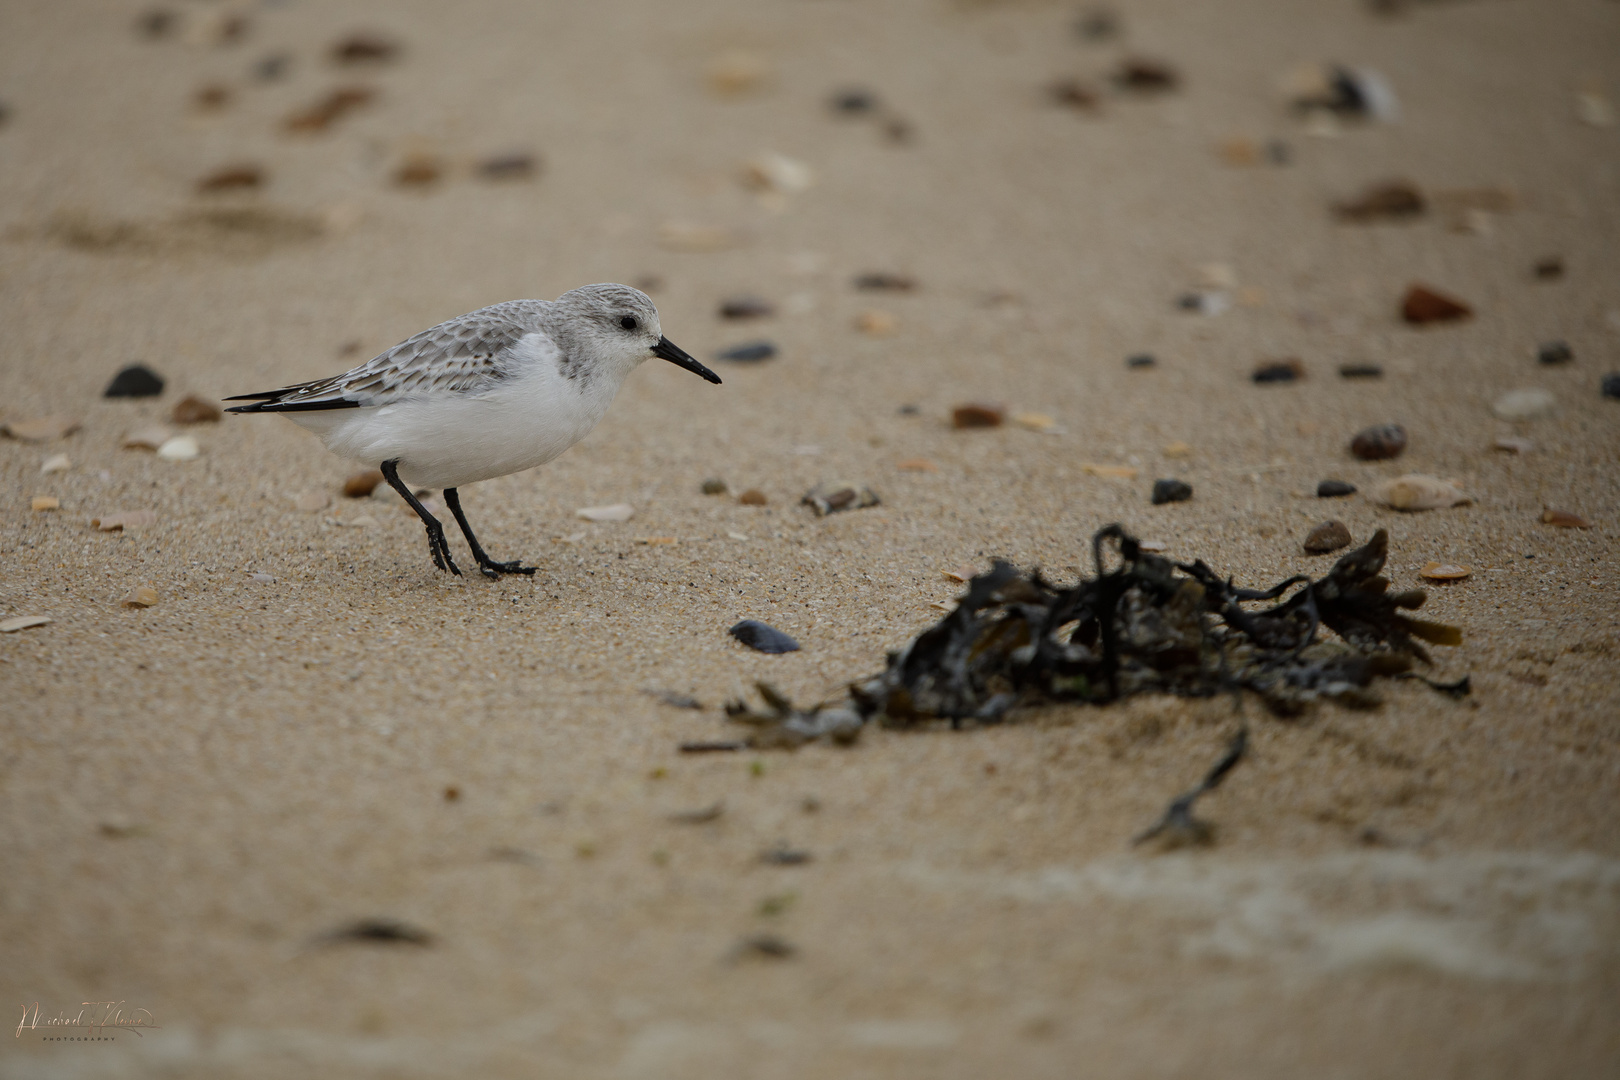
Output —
<point x="854" y="102"/>
<point x="745" y="307"/>
<point x="272" y="67"/>
<point x="1278" y="153"/>
<point x="1555" y="352"/>
<point x="1328" y="536"/>
<point x="1169" y="491"/>
<point x="1190" y="302"/>
<point x="751" y="352"/>
<point x="1424" y="305"/>
<point x="1145" y="76"/>
<point x="1611" y="385"/>
<point x="761" y="638"/>
<point x="1549" y="269"/>
<point x="137" y="380"/>
<point x="1279" y="371"/>
<point x="1098" y="24"/>
<point x="909" y="410"/>
<point x="882" y="281"/>
<point x="1140" y="360"/>
<point x="1379" y="442"/>
<point x="518" y="166"/>
<point x="1334" y="489"/>
<point x="1361" y="371"/>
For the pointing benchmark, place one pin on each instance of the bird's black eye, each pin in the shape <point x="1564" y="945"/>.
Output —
<point x="629" y="322"/>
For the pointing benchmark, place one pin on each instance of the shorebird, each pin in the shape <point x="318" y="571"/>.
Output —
<point x="492" y="392"/>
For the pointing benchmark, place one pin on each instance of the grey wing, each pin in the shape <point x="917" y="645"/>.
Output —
<point x="466" y="354"/>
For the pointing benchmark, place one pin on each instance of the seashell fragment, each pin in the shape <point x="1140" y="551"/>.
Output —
<point x="1418" y="491"/>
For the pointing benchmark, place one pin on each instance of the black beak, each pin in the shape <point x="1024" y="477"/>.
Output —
<point x="668" y="350"/>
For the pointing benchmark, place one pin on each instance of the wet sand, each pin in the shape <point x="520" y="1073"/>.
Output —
<point x="195" y="792"/>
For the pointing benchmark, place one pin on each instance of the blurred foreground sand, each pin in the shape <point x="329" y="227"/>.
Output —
<point x="194" y="791"/>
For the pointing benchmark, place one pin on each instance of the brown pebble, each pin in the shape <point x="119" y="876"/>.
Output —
<point x="1328" y="536"/>
<point x="875" y="322"/>
<point x="746" y="307"/>
<point x="1514" y="444"/>
<point x="977" y="415"/>
<point x="1424" y="305"/>
<point x="1075" y="93"/>
<point x="1279" y="371"/>
<point x="195" y="410"/>
<point x="1549" y="269"/>
<point x="1564" y="519"/>
<point x="361" y="484"/>
<point x="124" y="519"/>
<point x="41" y="503"/>
<point x="141" y="596"/>
<point x="1379" y="442"/>
<point x="231" y="178"/>
<point x="211" y="96"/>
<point x="916" y="465"/>
<point x="1439" y="571"/>
<point x="753" y="497"/>
<point x="364" y="47"/>
<point x="327" y="111"/>
<point x="419" y="170"/>
<point x="1143" y="75"/>
<point x="1394" y="200"/>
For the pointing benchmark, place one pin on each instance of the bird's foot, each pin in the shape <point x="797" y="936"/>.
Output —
<point x="493" y="570"/>
<point x="439" y="547"/>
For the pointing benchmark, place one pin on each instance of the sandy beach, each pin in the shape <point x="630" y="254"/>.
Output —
<point x="312" y="730"/>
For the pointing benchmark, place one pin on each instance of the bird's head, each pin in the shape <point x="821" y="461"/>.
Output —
<point x="618" y="325"/>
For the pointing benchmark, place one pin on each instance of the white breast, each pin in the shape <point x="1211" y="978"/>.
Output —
<point x="448" y="439"/>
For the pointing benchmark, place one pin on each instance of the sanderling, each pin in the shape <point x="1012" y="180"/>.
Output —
<point x="495" y="391"/>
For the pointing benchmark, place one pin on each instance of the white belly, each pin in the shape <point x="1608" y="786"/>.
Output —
<point x="450" y="439"/>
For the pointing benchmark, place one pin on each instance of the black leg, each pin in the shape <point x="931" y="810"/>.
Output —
<point x="490" y="567"/>
<point x="437" y="545"/>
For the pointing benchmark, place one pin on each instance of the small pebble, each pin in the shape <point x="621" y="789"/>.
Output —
<point x="769" y="946"/>
<point x="1416" y="491"/>
<point x="1514" y="444"/>
<point x="362" y="483"/>
<point x="40" y="503"/>
<point x="827" y="499"/>
<point x="179" y="448"/>
<point x="733" y="74"/>
<point x="1360" y="371"/>
<point x="779" y="174"/>
<point x="1035" y="421"/>
<point x="1555" y="352"/>
<point x="753" y="497"/>
<point x="1334" y="489"/>
<point x="40" y="428"/>
<point x="875" y="322"/>
<point x="1210" y="302"/>
<point x="853" y="101"/>
<point x="916" y="465"/>
<point x="1394" y="200"/>
<point x="1098" y="24"/>
<point x="141" y="596"/>
<point x="195" y="410"/>
<point x="1610" y="385"/>
<point x="1177" y="449"/>
<point x="1564" y="519"/>
<point x="1169" y="491"/>
<point x="135" y="381"/>
<point x="363" y="47"/>
<point x="157" y="23"/>
<point x="1279" y="371"/>
<point x="1548" y="269"/>
<point x="1075" y="93"/>
<point x="124" y="520"/>
<point x="263" y="579"/>
<point x="419" y="170"/>
<point x="978" y="415"/>
<point x="1328" y="536"/>
<point x="715" y="486"/>
<point x="615" y="512"/>
<point x="784" y="856"/>
<point x="147" y="438"/>
<point x="231" y="178"/>
<point x="746" y="307"/>
<point x="1528" y="403"/>
<point x="748" y="353"/>
<point x="882" y="281"/>
<point x="1423" y="305"/>
<point x="211" y="96"/>
<point x="1141" y="360"/>
<point x="21" y="622"/>
<point x="1439" y="571"/>
<point x="909" y="410"/>
<point x="328" y="110"/>
<point x="762" y="638"/>
<point x="272" y="67"/>
<point x="1379" y="442"/>
<point x="56" y="463"/>
<point x="1145" y="76"/>
<point x="516" y="166"/>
